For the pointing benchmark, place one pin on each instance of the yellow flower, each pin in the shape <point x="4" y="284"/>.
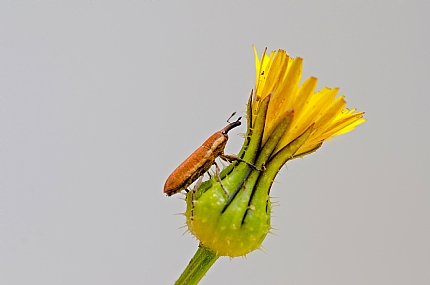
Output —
<point x="285" y="121"/>
<point x="279" y="75"/>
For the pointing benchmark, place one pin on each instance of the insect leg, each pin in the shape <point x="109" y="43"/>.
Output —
<point x="232" y="157"/>
<point x="219" y="178"/>
<point x="196" y="186"/>
<point x="210" y="176"/>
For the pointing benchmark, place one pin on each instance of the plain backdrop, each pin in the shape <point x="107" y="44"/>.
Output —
<point x="100" y="101"/>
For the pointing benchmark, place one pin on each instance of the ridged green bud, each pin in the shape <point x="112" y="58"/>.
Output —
<point x="237" y="224"/>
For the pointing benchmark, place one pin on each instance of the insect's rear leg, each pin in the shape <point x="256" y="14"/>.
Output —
<point x="196" y="186"/>
<point x="198" y="183"/>
<point x="232" y="157"/>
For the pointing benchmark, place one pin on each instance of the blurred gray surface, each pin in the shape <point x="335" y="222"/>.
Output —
<point x="101" y="101"/>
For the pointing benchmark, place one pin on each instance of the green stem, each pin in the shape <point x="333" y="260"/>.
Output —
<point x="202" y="260"/>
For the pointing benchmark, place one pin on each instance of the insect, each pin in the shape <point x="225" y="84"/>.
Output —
<point x="201" y="160"/>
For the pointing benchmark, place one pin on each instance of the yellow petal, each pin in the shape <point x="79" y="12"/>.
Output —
<point x="279" y="75"/>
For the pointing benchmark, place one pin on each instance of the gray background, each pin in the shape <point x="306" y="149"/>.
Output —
<point x="101" y="101"/>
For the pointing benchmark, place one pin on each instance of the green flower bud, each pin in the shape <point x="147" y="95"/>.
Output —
<point x="237" y="224"/>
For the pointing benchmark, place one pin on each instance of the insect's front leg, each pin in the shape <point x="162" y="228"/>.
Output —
<point x="231" y="157"/>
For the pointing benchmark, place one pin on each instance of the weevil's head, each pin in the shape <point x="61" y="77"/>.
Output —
<point x="231" y="126"/>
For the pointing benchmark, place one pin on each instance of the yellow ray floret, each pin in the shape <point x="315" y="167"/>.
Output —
<point x="279" y="75"/>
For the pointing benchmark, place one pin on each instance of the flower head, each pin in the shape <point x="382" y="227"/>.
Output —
<point x="285" y="121"/>
<point x="279" y="75"/>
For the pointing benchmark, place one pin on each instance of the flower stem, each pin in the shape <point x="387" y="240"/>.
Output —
<point x="199" y="265"/>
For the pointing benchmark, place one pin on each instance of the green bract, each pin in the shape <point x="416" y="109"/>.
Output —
<point x="237" y="224"/>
